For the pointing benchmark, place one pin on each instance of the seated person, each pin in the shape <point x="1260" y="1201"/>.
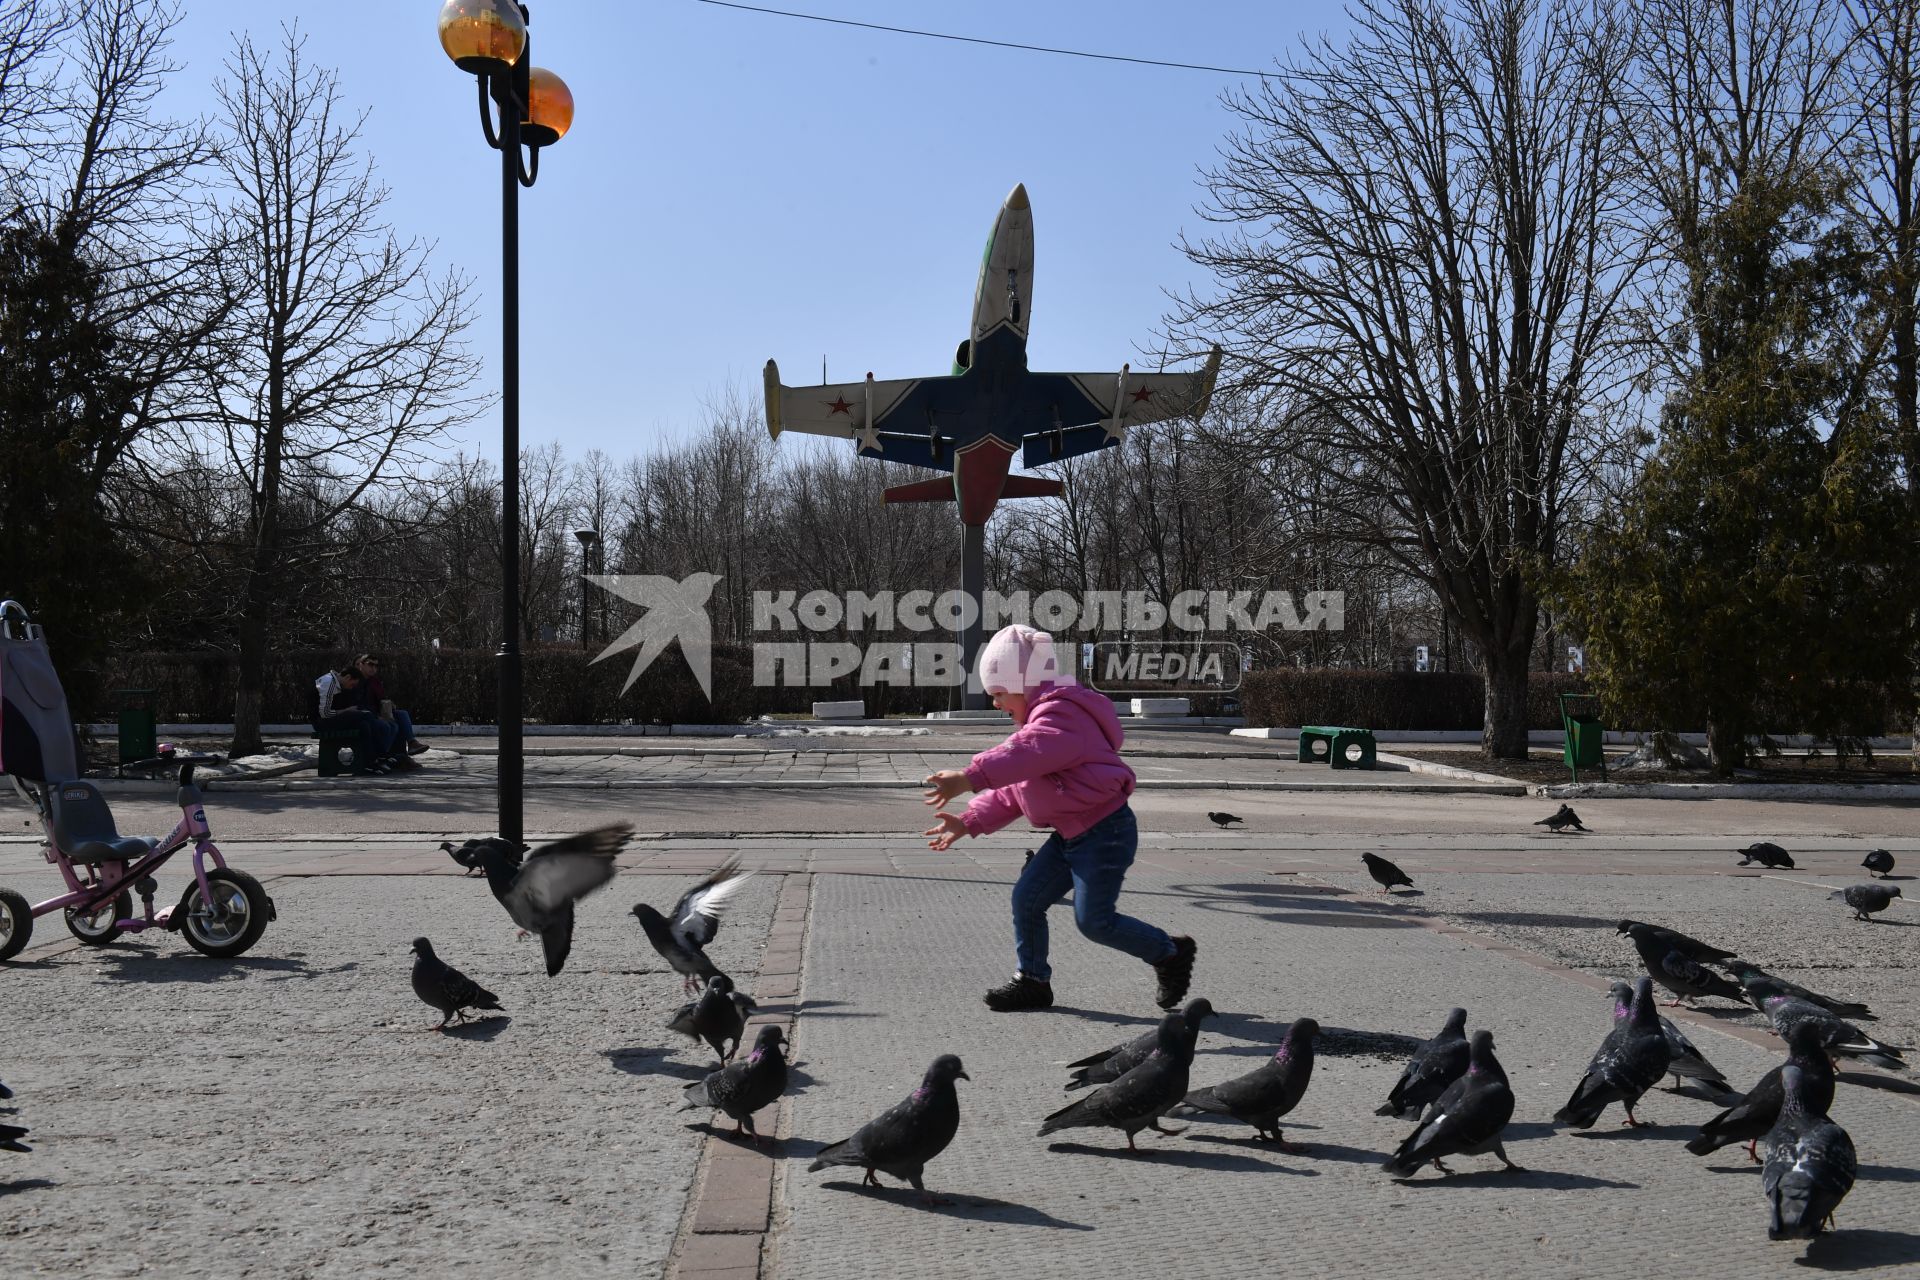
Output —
<point x="339" y="704"/>
<point x="375" y="699"/>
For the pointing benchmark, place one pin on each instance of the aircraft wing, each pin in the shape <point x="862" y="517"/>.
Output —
<point x="839" y="409"/>
<point x="1115" y="402"/>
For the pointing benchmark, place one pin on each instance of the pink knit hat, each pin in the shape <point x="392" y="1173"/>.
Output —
<point x="1019" y="660"/>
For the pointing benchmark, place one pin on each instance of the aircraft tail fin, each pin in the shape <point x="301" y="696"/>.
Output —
<point x="1030" y="487"/>
<point x="940" y="490"/>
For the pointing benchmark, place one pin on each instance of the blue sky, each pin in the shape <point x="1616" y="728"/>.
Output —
<point x="740" y="186"/>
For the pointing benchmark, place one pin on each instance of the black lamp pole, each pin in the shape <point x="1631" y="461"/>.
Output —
<point x="588" y="539"/>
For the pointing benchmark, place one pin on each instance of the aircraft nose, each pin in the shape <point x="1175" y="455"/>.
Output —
<point x="1018" y="200"/>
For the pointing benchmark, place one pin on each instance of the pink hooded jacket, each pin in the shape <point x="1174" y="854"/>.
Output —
<point x="1062" y="768"/>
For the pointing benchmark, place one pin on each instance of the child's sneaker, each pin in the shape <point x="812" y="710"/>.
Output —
<point x="1175" y="973"/>
<point x="1021" y="993"/>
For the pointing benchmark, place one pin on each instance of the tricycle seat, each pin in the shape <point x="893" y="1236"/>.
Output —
<point x="83" y="826"/>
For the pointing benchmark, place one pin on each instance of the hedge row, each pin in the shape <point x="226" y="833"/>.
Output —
<point x="1391" y="699"/>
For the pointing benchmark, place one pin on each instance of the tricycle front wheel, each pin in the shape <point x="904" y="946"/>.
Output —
<point x="233" y="921"/>
<point x="16" y="923"/>
<point x="100" y="926"/>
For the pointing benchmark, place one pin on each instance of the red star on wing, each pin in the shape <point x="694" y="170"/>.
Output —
<point x="840" y="405"/>
<point x="1140" y="394"/>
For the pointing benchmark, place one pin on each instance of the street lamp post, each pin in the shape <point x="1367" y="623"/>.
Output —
<point x="587" y="537"/>
<point x="488" y="38"/>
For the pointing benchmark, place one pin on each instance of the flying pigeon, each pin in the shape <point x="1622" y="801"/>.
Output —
<point x="1629" y="1062"/>
<point x="445" y="987"/>
<point x="540" y="893"/>
<point x="1434" y="1066"/>
<point x="1223" y="819"/>
<point x="1266" y="1093"/>
<point x="741" y="1088"/>
<point x="1837" y="1035"/>
<point x="718" y="1016"/>
<point x="1767" y="854"/>
<point x="1810" y="1163"/>
<point x="682" y="938"/>
<point x="1749" y="1119"/>
<point x="1109" y="1065"/>
<point x="902" y="1139"/>
<point x="1673" y="940"/>
<point x="1747" y="974"/>
<point x="467" y="853"/>
<point x="1139" y="1098"/>
<point x="1678" y="972"/>
<point x="1561" y="819"/>
<point x="1686" y="1061"/>
<point x="1866" y="899"/>
<point x="1466" y="1120"/>
<point x="1878" y="861"/>
<point x="1384" y="873"/>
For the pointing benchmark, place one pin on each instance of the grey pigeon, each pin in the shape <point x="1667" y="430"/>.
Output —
<point x="1810" y="1163"/>
<point x="467" y="852"/>
<point x="446" y="988"/>
<point x="682" y="938"/>
<point x="1629" y="1062"/>
<point x="1561" y="819"/>
<point x="12" y="1136"/>
<point x="1222" y="819"/>
<point x="1678" y="972"/>
<point x="5" y="1092"/>
<point x="1749" y="1119"/>
<point x="1109" y="1065"/>
<point x="1748" y="974"/>
<point x="1878" y="861"/>
<point x="1674" y="940"/>
<point x="1686" y="1061"/>
<point x="1466" y="1120"/>
<point x="1263" y="1095"/>
<point x="539" y="894"/>
<point x="1866" y="899"/>
<point x="901" y="1140"/>
<point x="1139" y="1098"/>
<point x="741" y="1088"/>
<point x="1838" y="1036"/>
<point x="1435" y="1066"/>
<point x="718" y="1016"/>
<point x="1767" y="854"/>
<point x="1384" y="873"/>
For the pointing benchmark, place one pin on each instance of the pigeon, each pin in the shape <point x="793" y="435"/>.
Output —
<point x="1673" y="940"/>
<point x="467" y="853"/>
<point x="902" y="1139"/>
<point x="1749" y="1119"/>
<point x="1747" y="974"/>
<point x="5" y="1092"/>
<point x="1678" y="972"/>
<point x="1629" y="1062"/>
<point x="1223" y="819"/>
<point x="1110" y="1064"/>
<point x="742" y="1088"/>
<point x="539" y="894"/>
<point x="1561" y="819"/>
<point x="446" y="988"/>
<point x="1810" y="1163"/>
<point x="719" y="1015"/>
<point x="1878" y="861"/>
<point x="1435" y="1065"/>
<point x="1384" y="873"/>
<point x="681" y="939"/>
<point x="1865" y="899"/>
<point x="1263" y="1095"/>
<point x="12" y="1138"/>
<point x="1139" y="1098"/>
<point x="1686" y="1061"/>
<point x="1466" y="1120"/>
<point x="1838" y="1036"/>
<point x="1767" y="854"/>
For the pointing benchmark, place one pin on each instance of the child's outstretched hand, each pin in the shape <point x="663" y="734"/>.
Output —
<point x="944" y="786"/>
<point x="945" y="831"/>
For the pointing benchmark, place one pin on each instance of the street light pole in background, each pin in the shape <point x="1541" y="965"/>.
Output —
<point x="588" y="539"/>
<point x="488" y="38"/>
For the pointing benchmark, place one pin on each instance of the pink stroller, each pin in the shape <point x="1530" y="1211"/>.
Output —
<point x="222" y="912"/>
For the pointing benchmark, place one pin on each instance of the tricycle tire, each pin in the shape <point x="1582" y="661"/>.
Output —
<point x="16" y="923"/>
<point x="219" y="933"/>
<point x="122" y="910"/>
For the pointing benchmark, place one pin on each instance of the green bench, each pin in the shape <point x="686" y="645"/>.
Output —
<point x="1330" y="743"/>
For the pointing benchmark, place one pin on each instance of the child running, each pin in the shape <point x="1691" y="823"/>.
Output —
<point x="1061" y="768"/>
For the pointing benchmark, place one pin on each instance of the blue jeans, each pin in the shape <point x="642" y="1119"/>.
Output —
<point x="404" y="723"/>
<point x="1093" y="865"/>
<point x="383" y="732"/>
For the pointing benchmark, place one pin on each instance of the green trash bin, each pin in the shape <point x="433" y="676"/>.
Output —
<point x="1586" y="737"/>
<point x="139" y="725"/>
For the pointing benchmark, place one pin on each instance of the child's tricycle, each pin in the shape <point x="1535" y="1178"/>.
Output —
<point x="223" y="912"/>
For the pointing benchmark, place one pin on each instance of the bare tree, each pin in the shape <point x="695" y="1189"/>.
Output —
<point x="342" y="357"/>
<point x="1429" y="263"/>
